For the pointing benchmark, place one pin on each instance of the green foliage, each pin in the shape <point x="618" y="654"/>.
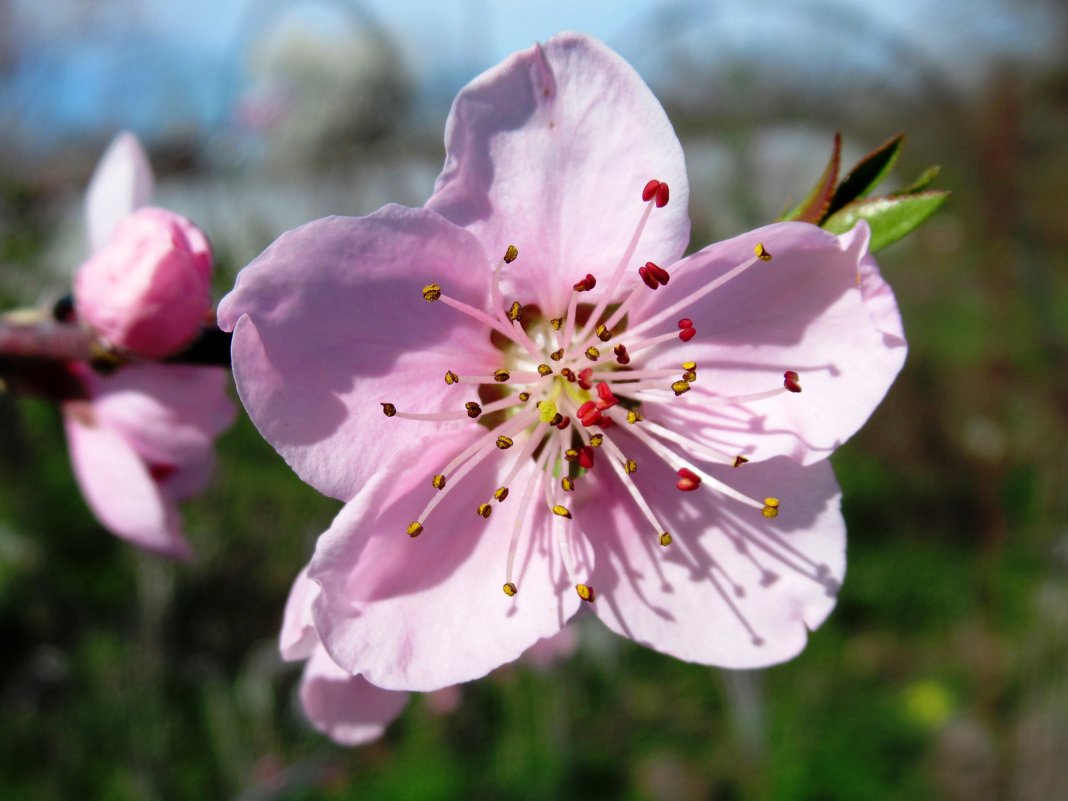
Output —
<point x="891" y="218"/>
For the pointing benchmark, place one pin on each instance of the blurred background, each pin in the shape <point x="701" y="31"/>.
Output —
<point x="944" y="671"/>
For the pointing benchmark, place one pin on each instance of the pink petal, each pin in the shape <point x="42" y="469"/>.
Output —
<point x="330" y="322"/>
<point x="348" y="709"/>
<point x="118" y="487"/>
<point x="298" y="639"/>
<point x="423" y="613"/>
<point x="878" y="297"/>
<point x="121" y="183"/>
<point x="550" y="151"/>
<point x="734" y="589"/>
<point x="802" y="311"/>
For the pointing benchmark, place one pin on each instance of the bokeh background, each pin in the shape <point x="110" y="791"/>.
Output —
<point x="944" y="671"/>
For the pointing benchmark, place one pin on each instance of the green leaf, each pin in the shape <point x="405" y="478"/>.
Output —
<point x="925" y="180"/>
<point x="865" y="175"/>
<point x="890" y="218"/>
<point x="813" y="207"/>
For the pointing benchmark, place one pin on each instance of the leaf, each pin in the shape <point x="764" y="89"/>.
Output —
<point x="890" y="218"/>
<point x="865" y="175"/>
<point x="925" y="180"/>
<point x="813" y="207"/>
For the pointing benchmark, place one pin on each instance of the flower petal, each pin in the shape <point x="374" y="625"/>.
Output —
<point x="329" y="323"/>
<point x="878" y="297"/>
<point x="118" y="487"/>
<point x="734" y="589"/>
<point x="550" y="151"/>
<point x="121" y="183"/>
<point x="801" y="311"/>
<point x="298" y="639"/>
<point x="425" y="613"/>
<point x="348" y="709"/>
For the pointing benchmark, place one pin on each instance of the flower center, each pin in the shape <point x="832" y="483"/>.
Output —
<point x="569" y="392"/>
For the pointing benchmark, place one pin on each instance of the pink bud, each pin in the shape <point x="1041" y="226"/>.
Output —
<point x="148" y="290"/>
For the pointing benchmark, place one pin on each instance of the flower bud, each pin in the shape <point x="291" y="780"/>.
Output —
<point x="148" y="291"/>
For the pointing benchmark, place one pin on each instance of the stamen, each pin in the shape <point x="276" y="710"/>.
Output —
<point x="515" y="310"/>
<point x="688" y="480"/>
<point x="415" y="529"/>
<point x="485" y="510"/>
<point x="510" y="589"/>
<point x="586" y="592"/>
<point x="389" y="410"/>
<point x="790" y="381"/>
<point x="662" y="195"/>
<point x="479" y="315"/>
<point x="761" y="252"/>
<point x="431" y="292"/>
<point x="511" y="254"/>
<point x="451" y="377"/>
<point x="562" y="511"/>
<point x="520" y="518"/>
<point x="771" y="507"/>
<point x="665" y="539"/>
<point x="438" y="481"/>
<point x="592" y="353"/>
<point x="649" y="192"/>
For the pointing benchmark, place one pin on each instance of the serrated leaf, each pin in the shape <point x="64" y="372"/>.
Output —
<point x="813" y="207"/>
<point x="890" y="218"/>
<point x="925" y="180"/>
<point x="866" y="174"/>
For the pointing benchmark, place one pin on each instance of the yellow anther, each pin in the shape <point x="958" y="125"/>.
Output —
<point x="439" y="481"/>
<point x="557" y="355"/>
<point x="524" y="396"/>
<point x="739" y="461"/>
<point x="557" y="323"/>
<point x="511" y="254"/>
<point x="504" y="443"/>
<point x="473" y="409"/>
<point x="502" y="375"/>
<point x="567" y="484"/>
<point x="570" y="455"/>
<point x="585" y="592"/>
<point x="630" y="466"/>
<point x="689" y="365"/>
<point x="592" y="353"/>
<point x="689" y="376"/>
<point x="510" y="589"/>
<point x="762" y="252"/>
<point x="665" y="539"/>
<point x="546" y="411"/>
<point x="415" y="529"/>
<point x="771" y="507"/>
<point x="484" y="510"/>
<point x="388" y="409"/>
<point x="544" y="369"/>
<point x="562" y="511"/>
<point x="596" y="440"/>
<point x="500" y="494"/>
<point x="634" y="417"/>
<point x="603" y="333"/>
<point x="515" y="311"/>
<point x="431" y="292"/>
<point x="680" y="387"/>
<point x="451" y="377"/>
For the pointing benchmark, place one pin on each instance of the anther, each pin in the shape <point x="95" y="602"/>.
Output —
<point x="570" y="455"/>
<point x="524" y="396"/>
<point x="568" y="374"/>
<point x="606" y="396"/>
<point x="790" y="381"/>
<point x="567" y="484"/>
<point x="762" y="252"/>
<point x="473" y="409"/>
<point x="680" y="387"/>
<point x="510" y="589"/>
<point x="771" y="507"/>
<point x="485" y="510"/>
<point x="562" y="511"/>
<point x="665" y="539"/>
<point x="557" y="323"/>
<point x="438" y="481"/>
<point x="585" y="284"/>
<point x="688" y="480"/>
<point x="515" y="311"/>
<point x="739" y="461"/>
<point x="649" y="192"/>
<point x="603" y="333"/>
<point x="557" y="420"/>
<point x="585" y="457"/>
<point x="659" y="273"/>
<point x="689" y="376"/>
<point x="592" y="353"/>
<point x="388" y="409"/>
<point x="585" y="592"/>
<point x="648" y="278"/>
<point x="630" y="466"/>
<point x="634" y="417"/>
<point x="544" y="369"/>
<point x="686" y="334"/>
<point x="596" y="440"/>
<point x="431" y="292"/>
<point x="451" y="377"/>
<point x="501" y="375"/>
<point x="662" y="195"/>
<point x="557" y="355"/>
<point x="415" y="529"/>
<point x="689" y="366"/>
<point x="500" y="494"/>
<point x="589" y="414"/>
<point x="685" y="322"/>
<point x="504" y="443"/>
<point x="511" y="254"/>
<point x="621" y="353"/>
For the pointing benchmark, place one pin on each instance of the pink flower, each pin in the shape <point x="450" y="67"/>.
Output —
<point x="591" y="419"/>
<point x="141" y="439"/>
<point x="146" y="288"/>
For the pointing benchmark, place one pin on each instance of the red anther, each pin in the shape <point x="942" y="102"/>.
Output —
<point x="586" y="408"/>
<point x="591" y="418"/>
<point x="605" y="394"/>
<point x="586" y="284"/>
<point x="623" y="358"/>
<point x="685" y="322"/>
<point x="659" y="273"/>
<point x="790" y="381"/>
<point x="584" y="378"/>
<point x="688" y="480"/>
<point x="606" y="422"/>
<point x="686" y="334"/>
<point x="648" y="277"/>
<point x="563" y="424"/>
<point x="568" y="374"/>
<point x="585" y="457"/>
<point x="650" y="190"/>
<point x="662" y="195"/>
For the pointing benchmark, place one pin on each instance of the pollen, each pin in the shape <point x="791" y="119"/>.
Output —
<point x="557" y="355"/>
<point x="501" y="375"/>
<point x="439" y="481"/>
<point x="771" y="507"/>
<point x="415" y="529"/>
<point x="739" y="461"/>
<point x="544" y="369"/>
<point x="524" y="396"/>
<point x="484" y="510"/>
<point x="567" y="484"/>
<point x="592" y="353"/>
<point x="500" y="494"/>
<point x="504" y="443"/>
<point x="388" y="409"/>
<point x="603" y="333"/>
<point x="451" y="377"/>
<point x="634" y="416"/>
<point x="511" y="254"/>
<point x="557" y="323"/>
<point x="665" y="539"/>
<point x="570" y="455"/>
<point x="515" y="311"/>
<point x="630" y="466"/>
<point x="762" y="252"/>
<point x="431" y="292"/>
<point x="680" y="387"/>
<point x="546" y="411"/>
<point x="585" y="592"/>
<point x="689" y="366"/>
<point x="596" y="440"/>
<point x="689" y="376"/>
<point x="510" y="589"/>
<point x="562" y="511"/>
<point x="473" y="409"/>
